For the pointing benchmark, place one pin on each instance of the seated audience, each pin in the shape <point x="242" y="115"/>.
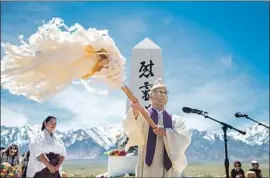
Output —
<point x="255" y="168"/>
<point x="237" y="172"/>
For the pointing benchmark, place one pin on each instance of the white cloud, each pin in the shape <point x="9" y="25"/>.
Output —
<point x="90" y="109"/>
<point x="220" y="91"/>
<point x="11" y="118"/>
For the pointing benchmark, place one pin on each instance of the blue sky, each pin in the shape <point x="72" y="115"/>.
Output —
<point x="215" y="58"/>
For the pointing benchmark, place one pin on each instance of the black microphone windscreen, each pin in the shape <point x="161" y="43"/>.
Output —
<point x="243" y="132"/>
<point x="187" y="110"/>
<point x="238" y="114"/>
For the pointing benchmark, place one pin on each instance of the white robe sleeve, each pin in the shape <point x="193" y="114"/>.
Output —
<point x="36" y="146"/>
<point x="134" y="129"/>
<point x="63" y="149"/>
<point x="176" y="142"/>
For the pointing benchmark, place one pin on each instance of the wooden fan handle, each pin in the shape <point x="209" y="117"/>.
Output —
<point x="132" y="98"/>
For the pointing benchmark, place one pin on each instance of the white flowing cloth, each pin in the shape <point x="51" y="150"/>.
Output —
<point x="43" y="143"/>
<point x="176" y="142"/>
<point x="54" y="57"/>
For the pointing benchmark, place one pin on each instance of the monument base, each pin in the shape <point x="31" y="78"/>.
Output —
<point x="120" y="165"/>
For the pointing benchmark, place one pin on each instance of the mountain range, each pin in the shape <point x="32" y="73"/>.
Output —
<point x="205" y="146"/>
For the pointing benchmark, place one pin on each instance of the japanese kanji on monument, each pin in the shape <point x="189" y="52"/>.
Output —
<point x="146" y="67"/>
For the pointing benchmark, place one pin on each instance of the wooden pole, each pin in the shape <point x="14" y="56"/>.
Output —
<point x="132" y="98"/>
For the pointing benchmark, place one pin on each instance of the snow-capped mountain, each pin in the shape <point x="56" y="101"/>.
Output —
<point x="105" y="136"/>
<point x="255" y="135"/>
<point x="205" y="146"/>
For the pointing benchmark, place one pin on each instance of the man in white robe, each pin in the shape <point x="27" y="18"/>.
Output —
<point x="161" y="151"/>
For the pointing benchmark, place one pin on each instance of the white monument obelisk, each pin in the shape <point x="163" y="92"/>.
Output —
<point x="146" y="67"/>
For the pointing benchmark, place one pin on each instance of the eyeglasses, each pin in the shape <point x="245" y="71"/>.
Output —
<point x="161" y="93"/>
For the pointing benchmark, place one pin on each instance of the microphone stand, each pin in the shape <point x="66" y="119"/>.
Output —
<point x="224" y="128"/>
<point x="246" y="116"/>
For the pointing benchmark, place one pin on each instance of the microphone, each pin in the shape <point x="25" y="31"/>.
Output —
<point x="196" y="111"/>
<point x="239" y="114"/>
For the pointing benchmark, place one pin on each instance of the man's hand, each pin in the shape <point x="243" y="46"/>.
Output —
<point x="136" y="108"/>
<point x="159" y="131"/>
<point x="51" y="168"/>
<point x="57" y="167"/>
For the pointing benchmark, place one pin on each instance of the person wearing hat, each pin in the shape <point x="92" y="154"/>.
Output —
<point x="161" y="151"/>
<point x="255" y="168"/>
<point x="237" y="172"/>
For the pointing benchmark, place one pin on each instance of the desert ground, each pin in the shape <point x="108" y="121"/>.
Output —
<point x="92" y="168"/>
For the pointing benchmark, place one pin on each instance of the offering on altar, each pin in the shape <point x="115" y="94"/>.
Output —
<point x="121" y="162"/>
<point x="116" y="153"/>
<point x="121" y="165"/>
<point x="6" y="170"/>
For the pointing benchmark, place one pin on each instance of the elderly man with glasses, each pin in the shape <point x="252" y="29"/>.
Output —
<point x="161" y="150"/>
